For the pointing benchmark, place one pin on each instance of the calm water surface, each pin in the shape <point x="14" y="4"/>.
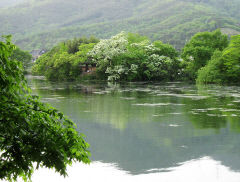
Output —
<point x="151" y="131"/>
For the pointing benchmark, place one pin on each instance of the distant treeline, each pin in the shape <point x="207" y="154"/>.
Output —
<point x="209" y="57"/>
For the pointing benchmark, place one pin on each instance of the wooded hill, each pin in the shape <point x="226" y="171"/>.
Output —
<point x="42" y="23"/>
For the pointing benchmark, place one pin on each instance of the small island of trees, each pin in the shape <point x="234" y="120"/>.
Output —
<point x="209" y="57"/>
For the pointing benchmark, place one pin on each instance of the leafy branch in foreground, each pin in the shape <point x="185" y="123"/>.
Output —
<point x="31" y="131"/>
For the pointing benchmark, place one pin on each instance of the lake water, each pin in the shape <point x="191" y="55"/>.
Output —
<point x="150" y="131"/>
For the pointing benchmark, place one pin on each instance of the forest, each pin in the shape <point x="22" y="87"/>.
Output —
<point x="209" y="57"/>
<point x="42" y="24"/>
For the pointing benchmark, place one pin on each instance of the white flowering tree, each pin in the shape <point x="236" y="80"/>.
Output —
<point x="103" y="53"/>
<point x="128" y="56"/>
<point x="121" y="72"/>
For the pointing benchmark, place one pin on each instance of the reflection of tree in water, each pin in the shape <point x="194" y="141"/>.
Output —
<point x="203" y="113"/>
<point x="64" y="88"/>
<point x="215" y="111"/>
<point x="124" y="127"/>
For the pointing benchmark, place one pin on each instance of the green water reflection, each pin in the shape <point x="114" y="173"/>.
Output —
<point x="140" y="126"/>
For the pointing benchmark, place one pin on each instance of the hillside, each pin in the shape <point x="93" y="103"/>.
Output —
<point x="43" y="23"/>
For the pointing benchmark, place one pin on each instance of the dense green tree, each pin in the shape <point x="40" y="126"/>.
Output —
<point x="231" y="58"/>
<point x="23" y="56"/>
<point x="161" y="68"/>
<point x="199" y="50"/>
<point x="165" y="50"/>
<point x="224" y="67"/>
<point x="73" y="45"/>
<point x="64" y="61"/>
<point x="32" y="132"/>
<point x="162" y="63"/>
<point x="211" y="73"/>
<point x="128" y="57"/>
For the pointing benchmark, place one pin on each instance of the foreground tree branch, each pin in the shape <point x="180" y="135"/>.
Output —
<point x="31" y="131"/>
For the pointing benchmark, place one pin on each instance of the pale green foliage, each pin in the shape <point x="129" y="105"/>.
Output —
<point x="120" y="71"/>
<point x="106" y="49"/>
<point x="160" y="67"/>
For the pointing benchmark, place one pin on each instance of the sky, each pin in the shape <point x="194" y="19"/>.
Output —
<point x="6" y="3"/>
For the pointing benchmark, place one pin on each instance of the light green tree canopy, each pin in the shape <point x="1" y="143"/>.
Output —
<point x="199" y="50"/>
<point x="224" y="67"/>
<point x="63" y="62"/>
